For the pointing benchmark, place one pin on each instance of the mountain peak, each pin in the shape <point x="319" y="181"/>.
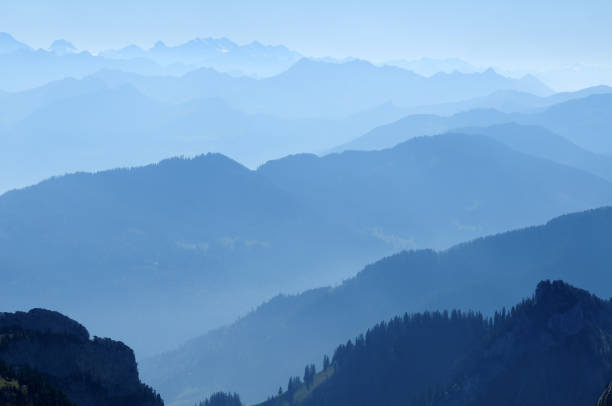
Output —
<point x="62" y="47"/>
<point x="159" y="45"/>
<point x="558" y="296"/>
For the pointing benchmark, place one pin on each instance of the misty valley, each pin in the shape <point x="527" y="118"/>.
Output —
<point x="197" y="220"/>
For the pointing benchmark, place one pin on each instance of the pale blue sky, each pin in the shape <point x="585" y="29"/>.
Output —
<point x="515" y="34"/>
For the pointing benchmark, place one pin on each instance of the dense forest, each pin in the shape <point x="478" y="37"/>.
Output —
<point x="24" y="387"/>
<point x="222" y="399"/>
<point x="551" y="349"/>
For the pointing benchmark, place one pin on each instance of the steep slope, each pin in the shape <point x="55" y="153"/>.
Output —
<point x="89" y="372"/>
<point x="201" y="240"/>
<point x="583" y="121"/>
<point x="437" y="191"/>
<point x="281" y="336"/>
<point x="553" y="349"/>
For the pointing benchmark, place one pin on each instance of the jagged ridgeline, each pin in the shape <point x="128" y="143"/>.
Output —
<point x="48" y="359"/>
<point x="551" y="349"/>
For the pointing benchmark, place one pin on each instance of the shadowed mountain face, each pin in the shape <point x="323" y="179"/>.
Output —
<point x="279" y="338"/>
<point x="554" y="347"/>
<point x="582" y="121"/>
<point x="98" y="372"/>
<point x="437" y="191"/>
<point x="200" y="240"/>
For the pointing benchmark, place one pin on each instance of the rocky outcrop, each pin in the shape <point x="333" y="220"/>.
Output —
<point x="98" y="372"/>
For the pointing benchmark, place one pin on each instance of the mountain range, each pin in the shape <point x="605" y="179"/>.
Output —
<point x="114" y="118"/>
<point x="22" y="67"/>
<point x="199" y="233"/>
<point x="315" y="88"/>
<point x="256" y="354"/>
<point x="90" y="126"/>
<point x="582" y="120"/>
<point x="437" y="191"/>
<point x="253" y="59"/>
<point x="205" y="238"/>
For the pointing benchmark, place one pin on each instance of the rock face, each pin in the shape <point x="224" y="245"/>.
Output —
<point x="98" y="372"/>
<point x="606" y="397"/>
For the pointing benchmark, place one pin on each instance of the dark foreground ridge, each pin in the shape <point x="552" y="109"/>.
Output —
<point x="551" y="349"/>
<point x="46" y="346"/>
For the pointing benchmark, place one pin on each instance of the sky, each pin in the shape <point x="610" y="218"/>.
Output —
<point x="518" y="34"/>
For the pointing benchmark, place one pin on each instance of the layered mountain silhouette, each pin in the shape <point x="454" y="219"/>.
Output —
<point x="207" y="233"/>
<point x="52" y="353"/>
<point x="538" y="141"/>
<point x="552" y="349"/>
<point x="201" y="240"/>
<point x="581" y="120"/>
<point x="288" y="332"/>
<point x="437" y="191"/>
<point x="315" y="88"/>
<point x="508" y="101"/>
<point x="85" y="125"/>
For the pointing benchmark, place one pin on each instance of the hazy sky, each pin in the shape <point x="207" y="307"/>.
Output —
<point x="530" y="34"/>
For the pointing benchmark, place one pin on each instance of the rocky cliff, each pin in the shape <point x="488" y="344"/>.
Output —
<point x="90" y="372"/>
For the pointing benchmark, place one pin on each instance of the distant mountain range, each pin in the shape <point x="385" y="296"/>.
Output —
<point x="54" y="362"/>
<point x="315" y="88"/>
<point x="114" y="118"/>
<point x="507" y="101"/>
<point x="537" y="141"/>
<point x="22" y="67"/>
<point x="90" y="126"/>
<point x="581" y="120"/>
<point x="259" y="352"/>
<point x="253" y="59"/>
<point x="431" y="66"/>
<point x="552" y="349"/>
